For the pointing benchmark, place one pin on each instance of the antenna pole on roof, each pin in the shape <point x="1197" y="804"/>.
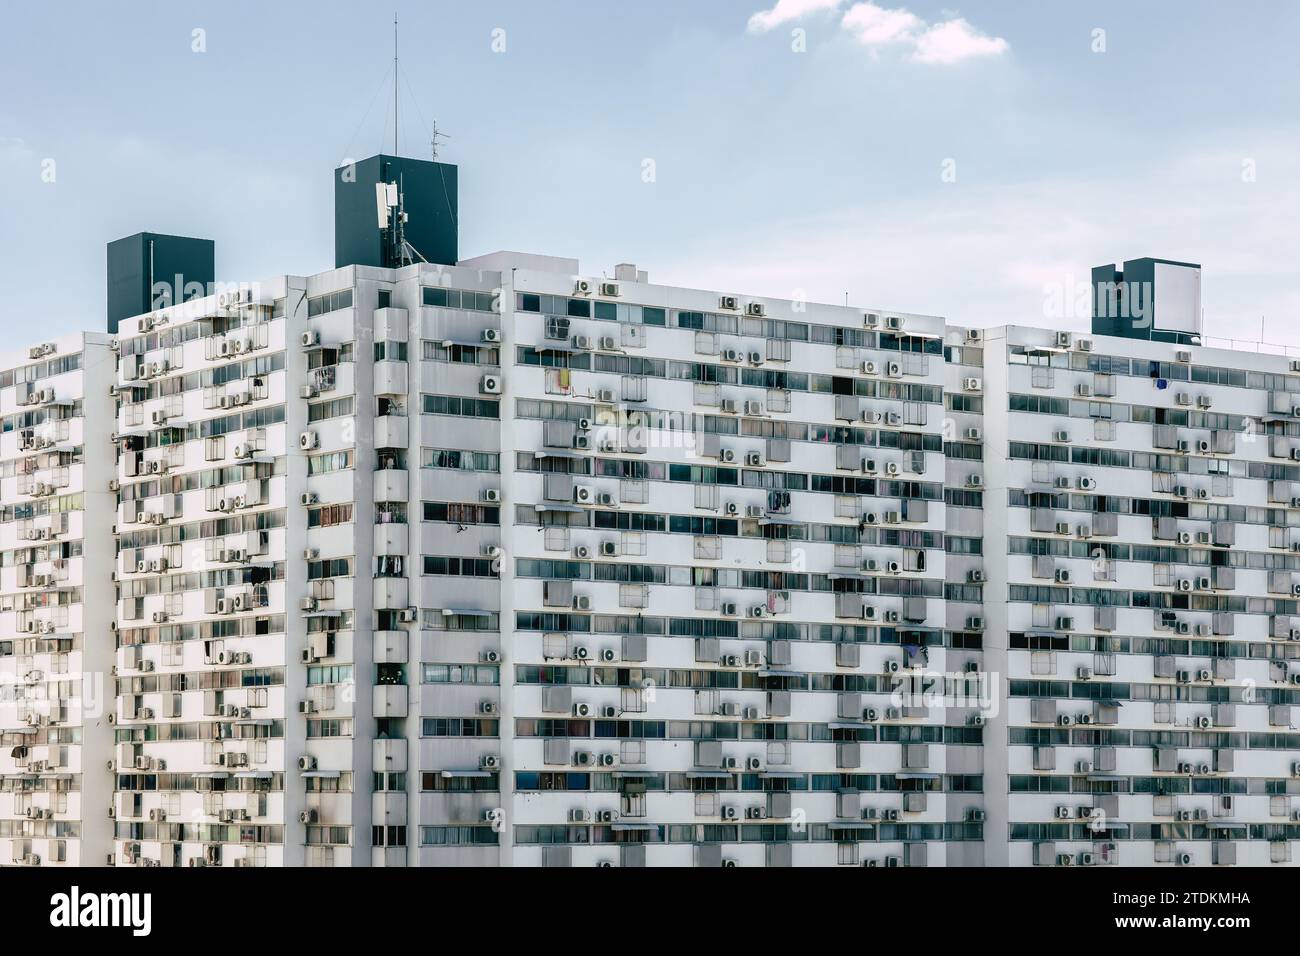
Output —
<point x="396" y="86"/>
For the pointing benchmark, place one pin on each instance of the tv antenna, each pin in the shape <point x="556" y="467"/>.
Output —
<point x="434" y="136"/>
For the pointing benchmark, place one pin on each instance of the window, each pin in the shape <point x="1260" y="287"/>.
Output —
<point x="460" y="299"/>
<point x="330" y="302"/>
<point x="455" y="405"/>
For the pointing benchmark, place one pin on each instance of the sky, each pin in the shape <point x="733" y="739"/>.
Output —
<point x="971" y="161"/>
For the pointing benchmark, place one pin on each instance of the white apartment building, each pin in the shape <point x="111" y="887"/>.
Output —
<point x="498" y="564"/>
<point x="1144" y="614"/>
<point x="56" y="602"/>
<point x="481" y="565"/>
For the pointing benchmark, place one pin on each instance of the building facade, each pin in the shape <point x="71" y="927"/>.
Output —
<point x="495" y="564"/>
<point x="56" y="602"/>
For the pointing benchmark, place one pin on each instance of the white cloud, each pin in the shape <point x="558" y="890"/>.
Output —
<point x="943" y="44"/>
<point x="955" y="40"/>
<point x="876" y="26"/>
<point x="787" y="10"/>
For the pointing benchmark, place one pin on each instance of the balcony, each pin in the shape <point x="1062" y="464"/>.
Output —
<point x="390" y="700"/>
<point x="390" y="378"/>
<point x="391" y="485"/>
<point x="389" y="808"/>
<point x="391" y="647"/>
<point x="391" y="431"/>
<point x="389" y="755"/>
<point x="391" y="594"/>
<point x="388" y="856"/>
<point x="390" y="538"/>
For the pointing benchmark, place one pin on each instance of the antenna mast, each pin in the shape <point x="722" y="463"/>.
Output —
<point x="396" y="85"/>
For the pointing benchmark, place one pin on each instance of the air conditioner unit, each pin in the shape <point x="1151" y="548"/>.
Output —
<point x="491" y="495"/>
<point x="310" y="338"/>
<point x="490" y="385"/>
<point x="728" y="302"/>
<point x="308" y="440"/>
<point x="971" y="384"/>
<point x="491" y="335"/>
<point x="582" y="287"/>
<point x="975" y="481"/>
<point x="754" y="308"/>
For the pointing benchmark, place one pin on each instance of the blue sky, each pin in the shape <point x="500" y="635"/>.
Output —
<point x="970" y="161"/>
